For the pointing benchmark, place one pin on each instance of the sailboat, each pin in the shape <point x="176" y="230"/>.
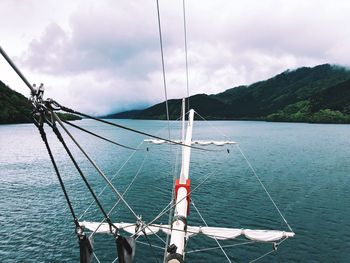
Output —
<point x="179" y="231"/>
<point x="126" y="234"/>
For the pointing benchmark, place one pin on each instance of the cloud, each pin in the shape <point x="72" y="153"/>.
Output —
<point x="109" y="56"/>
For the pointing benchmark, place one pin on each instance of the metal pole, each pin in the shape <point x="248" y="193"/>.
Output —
<point x="19" y="73"/>
<point x="179" y="224"/>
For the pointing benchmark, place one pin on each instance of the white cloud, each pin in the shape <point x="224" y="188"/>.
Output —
<point x="103" y="56"/>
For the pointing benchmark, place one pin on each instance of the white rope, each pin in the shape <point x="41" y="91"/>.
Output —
<point x="150" y="224"/>
<point x="214" y="127"/>
<point x="144" y="243"/>
<point x="95" y="256"/>
<point x="223" y="251"/>
<point x="126" y="190"/>
<point x="254" y="172"/>
<point x="214" y="248"/>
<point x="174" y="122"/>
<point x="95" y="166"/>
<point x="113" y="177"/>
<point x="266" y="254"/>
<point x="172" y="206"/>
<point x="163" y="65"/>
<point x="186" y="53"/>
<point x="263" y="186"/>
<point x="161" y="239"/>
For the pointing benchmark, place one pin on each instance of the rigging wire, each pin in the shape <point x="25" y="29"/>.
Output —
<point x="114" y="176"/>
<point x="255" y="174"/>
<point x="164" y="211"/>
<point x="225" y="246"/>
<point x="150" y="245"/>
<point x="125" y="128"/>
<point x="60" y="138"/>
<point x="98" y="136"/>
<point x="163" y="66"/>
<point x="217" y="242"/>
<point x="186" y="56"/>
<point x="95" y="256"/>
<point x="266" y="254"/>
<point x="143" y="243"/>
<point x="44" y="138"/>
<point x="125" y="191"/>
<point x="213" y="126"/>
<point x="96" y="167"/>
<point x="263" y="186"/>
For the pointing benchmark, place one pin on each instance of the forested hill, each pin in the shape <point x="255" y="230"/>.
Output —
<point x="318" y="94"/>
<point x="15" y="108"/>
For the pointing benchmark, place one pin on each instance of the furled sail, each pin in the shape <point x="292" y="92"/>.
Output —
<point x="219" y="233"/>
<point x="198" y="142"/>
<point x="127" y="227"/>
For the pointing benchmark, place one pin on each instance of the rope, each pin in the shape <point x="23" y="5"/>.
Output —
<point x="212" y="125"/>
<point x="150" y="245"/>
<point x="164" y="211"/>
<point x="163" y="66"/>
<point x="200" y="215"/>
<point x="143" y="243"/>
<point x="266" y="254"/>
<point x="255" y="174"/>
<point x="263" y="186"/>
<point x="126" y="190"/>
<point x="114" y="176"/>
<point x="186" y="56"/>
<point x="60" y="138"/>
<point x="44" y="138"/>
<point x="126" y="128"/>
<point x="98" y="136"/>
<point x="95" y="166"/>
<point x="95" y="256"/>
<point x="214" y="248"/>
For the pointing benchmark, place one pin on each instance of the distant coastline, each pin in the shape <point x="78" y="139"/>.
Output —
<point x="309" y="95"/>
<point x="16" y="109"/>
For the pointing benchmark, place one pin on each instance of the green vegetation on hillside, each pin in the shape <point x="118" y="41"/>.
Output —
<point x="15" y="108"/>
<point x="302" y="112"/>
<point x="318" y="94"/>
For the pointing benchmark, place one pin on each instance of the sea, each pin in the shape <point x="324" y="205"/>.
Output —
<point x="304" y="167"/>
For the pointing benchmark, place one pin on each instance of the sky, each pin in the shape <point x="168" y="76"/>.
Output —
<point x="103" y="56"/>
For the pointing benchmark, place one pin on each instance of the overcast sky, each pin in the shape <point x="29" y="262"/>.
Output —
<point x="104" y="56"/>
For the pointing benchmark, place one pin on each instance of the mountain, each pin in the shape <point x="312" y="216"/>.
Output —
<point x="123" y="115"/>
<point x="15" y="108"/>
<point x="324" y="87"/>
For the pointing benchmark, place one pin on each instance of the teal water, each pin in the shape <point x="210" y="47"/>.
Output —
<point x="305" y="167"/>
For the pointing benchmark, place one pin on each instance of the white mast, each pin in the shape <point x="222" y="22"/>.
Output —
<point x="182" y="198"/>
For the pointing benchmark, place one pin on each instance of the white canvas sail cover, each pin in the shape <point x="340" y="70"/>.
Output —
<point x="198" y="142"/>
<point x="219" y="233"/>
<point x="266" y="235"/>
